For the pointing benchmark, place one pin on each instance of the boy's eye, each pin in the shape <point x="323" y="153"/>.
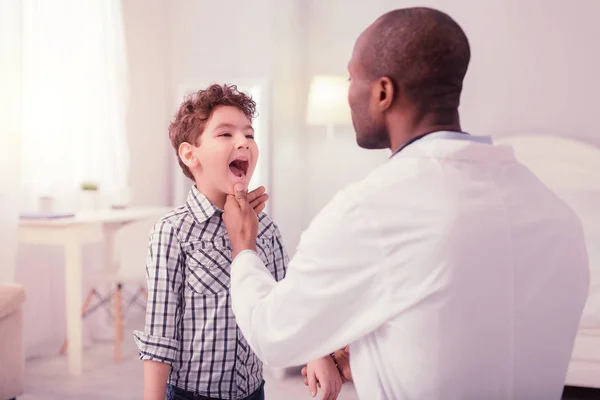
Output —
<point x="226" y="134"/>
<point x="250" y="136"/>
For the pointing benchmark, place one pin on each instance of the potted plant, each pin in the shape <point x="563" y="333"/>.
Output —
<point x="89" y="196"/>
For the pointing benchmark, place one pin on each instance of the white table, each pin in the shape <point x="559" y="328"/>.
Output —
<point x="72" y="233"/>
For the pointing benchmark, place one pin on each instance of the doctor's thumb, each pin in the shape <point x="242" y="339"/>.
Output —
<point x="241" y="192"/>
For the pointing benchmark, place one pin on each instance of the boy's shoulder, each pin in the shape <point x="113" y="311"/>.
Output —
<point x="266" y="226"/>
<point x="175" y="220"/>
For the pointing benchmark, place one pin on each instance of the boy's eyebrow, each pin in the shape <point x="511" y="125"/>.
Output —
<point x="232" y="126"/>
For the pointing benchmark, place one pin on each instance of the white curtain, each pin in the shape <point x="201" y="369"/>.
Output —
<point x="62" y="117"/>
<point x="74" y="99"/>
<point x="10" y="98"/>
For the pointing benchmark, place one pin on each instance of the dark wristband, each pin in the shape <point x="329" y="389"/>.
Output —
<point x="336" y="364"/>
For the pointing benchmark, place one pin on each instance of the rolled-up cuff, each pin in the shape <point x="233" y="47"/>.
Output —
<point x="156" y="348"/>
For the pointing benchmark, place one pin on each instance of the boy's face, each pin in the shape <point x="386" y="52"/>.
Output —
<point x="226" y="152"/>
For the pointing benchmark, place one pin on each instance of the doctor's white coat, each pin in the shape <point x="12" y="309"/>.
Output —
<point x="451" y="270"/>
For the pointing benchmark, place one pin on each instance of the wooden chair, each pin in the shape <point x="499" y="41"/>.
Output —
<point x="130" y="253"/>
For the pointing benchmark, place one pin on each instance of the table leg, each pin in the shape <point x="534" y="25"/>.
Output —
<point x="73" y="272"/>
<point x="110" y="264"/>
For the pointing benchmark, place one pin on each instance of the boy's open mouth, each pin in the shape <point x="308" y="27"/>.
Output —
<point x="239" y="167"/>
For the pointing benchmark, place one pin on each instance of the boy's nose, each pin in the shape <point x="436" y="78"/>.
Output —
<point x="242" y="142"/>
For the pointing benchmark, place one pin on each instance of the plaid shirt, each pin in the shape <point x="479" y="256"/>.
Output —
<point x="189" y="320"/>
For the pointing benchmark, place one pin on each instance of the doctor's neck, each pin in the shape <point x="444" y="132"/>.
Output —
<point x="406" y="125"/>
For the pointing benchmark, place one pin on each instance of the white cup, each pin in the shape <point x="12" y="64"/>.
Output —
<point x="45" y="204"/>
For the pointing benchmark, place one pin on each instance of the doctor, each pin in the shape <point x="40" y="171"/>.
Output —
<point x="451" y="270"/>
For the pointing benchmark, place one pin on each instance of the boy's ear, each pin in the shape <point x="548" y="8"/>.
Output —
<point x="187" y="155"/>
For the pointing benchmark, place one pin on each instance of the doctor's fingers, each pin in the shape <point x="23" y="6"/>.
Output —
<point x="258" y="204"/>
<point x="259" y="191"/>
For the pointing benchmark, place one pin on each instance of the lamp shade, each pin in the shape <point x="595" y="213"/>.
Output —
<point x="328" y="101"/>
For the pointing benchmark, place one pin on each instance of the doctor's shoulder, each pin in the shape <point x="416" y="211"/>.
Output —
<point x="381" y="181"/>
<point x="385" y="186"/>
<point x="358" y="197"/>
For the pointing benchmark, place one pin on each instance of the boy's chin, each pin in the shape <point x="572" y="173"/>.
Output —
<point x="234" y="181"/>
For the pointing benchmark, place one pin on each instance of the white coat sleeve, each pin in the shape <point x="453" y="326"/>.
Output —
<point x="333" y="293"/>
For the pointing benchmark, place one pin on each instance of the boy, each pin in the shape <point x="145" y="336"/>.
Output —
<point x="192" y="347"/>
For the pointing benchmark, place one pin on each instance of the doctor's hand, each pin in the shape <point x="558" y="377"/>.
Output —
<point x="257" y="199"/>
<point x="240" y="221"/>
<point x="342" y="357"/>
<point x="323" y="373"/>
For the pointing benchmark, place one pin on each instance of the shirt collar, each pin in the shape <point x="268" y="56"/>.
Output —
<point x="200" y="207"/>
<point x="445" y="135"/>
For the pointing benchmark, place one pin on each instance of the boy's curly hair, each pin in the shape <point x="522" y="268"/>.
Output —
<point x="190" y="120"/>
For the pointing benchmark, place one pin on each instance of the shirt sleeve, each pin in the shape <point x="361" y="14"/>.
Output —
<point x="333" y="293"/>
<point x="160" y="339"/>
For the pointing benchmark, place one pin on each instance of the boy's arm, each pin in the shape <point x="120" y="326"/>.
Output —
<point x="156" y="374"/>
<point x="159" y="343"/>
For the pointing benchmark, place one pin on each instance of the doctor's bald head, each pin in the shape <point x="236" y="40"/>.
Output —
<point x="408" y="59"/>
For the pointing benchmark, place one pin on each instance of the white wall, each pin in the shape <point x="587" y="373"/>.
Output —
<point x="236" y="40"/>
<point x="289" y="156"/>
<point x="219" y="40"/>
<point x="147" y="36"/>
<point x="534" y="69"/>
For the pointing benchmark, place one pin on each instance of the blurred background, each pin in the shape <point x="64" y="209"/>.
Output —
<point x="88" y="88"/>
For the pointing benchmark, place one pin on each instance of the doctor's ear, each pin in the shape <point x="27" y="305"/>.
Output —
<point x="384" y="92"/>
<point x="187" y="155"/>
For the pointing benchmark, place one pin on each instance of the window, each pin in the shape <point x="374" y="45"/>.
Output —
<point x="74" y="96"/>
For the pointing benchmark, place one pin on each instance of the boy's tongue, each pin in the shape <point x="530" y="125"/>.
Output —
<point x="236" y="170"/>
